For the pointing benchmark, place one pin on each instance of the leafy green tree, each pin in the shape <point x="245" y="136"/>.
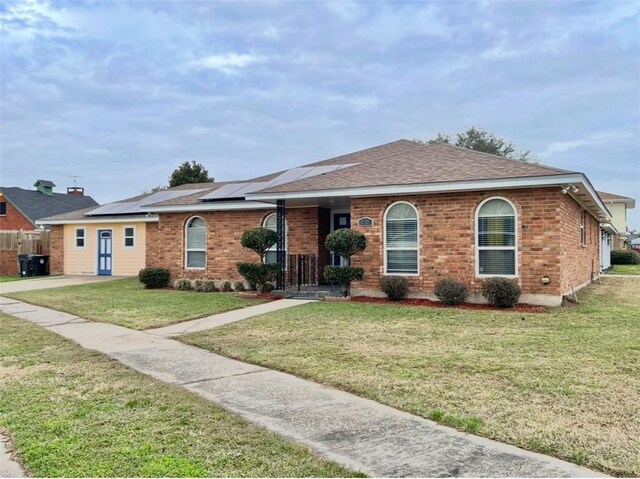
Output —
<point x="346" y="243"/>
<point x="479" y="139"/>
<point x="189" y="172"/>
<point x="259" y="240"/>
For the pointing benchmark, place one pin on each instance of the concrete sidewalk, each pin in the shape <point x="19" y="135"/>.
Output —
<point x="224" y="318"/>
<point x="8" y="467"/>
<point x="355" y="432"/>
<point x="45" y="282"/>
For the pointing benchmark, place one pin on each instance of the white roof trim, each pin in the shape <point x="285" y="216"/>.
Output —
<point x="94" y="219"/>
<point x="213" y="206"/>
<point x="443" y="187"/>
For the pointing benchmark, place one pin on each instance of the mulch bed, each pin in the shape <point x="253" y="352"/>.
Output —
<point x="520" y="307"/>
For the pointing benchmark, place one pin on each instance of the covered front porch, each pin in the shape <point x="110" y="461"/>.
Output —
<point x="302" y="255"/>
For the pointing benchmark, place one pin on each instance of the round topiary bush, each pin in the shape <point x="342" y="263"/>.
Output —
<point x="625" y="256"/>
<point x="204" y="285"/>
<point x="226" y="287"/>
<point x="154" y="278"/>
<point x="346" y="242"/>
<point x="259" y="240"/>
<point x="451" y="292"/>
<point x="266" y="288"/>
<point x="239" y="286"/>
<point x="501" y="292"/>
<point x="395" y="287"/>
<point x="343" y="276"/>
<point x="182" y="284"/>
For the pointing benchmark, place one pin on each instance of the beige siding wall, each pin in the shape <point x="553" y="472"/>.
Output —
<point x="126" y="261"/>
<point x="619" y="216"/>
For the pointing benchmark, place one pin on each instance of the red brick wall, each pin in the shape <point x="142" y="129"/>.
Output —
<point x="580" y="262"/>
<point x="56" y="260"/>
<point x="14" y="220"/>
<point x="165" y="240"/>
<point x="8" y="262"/>
<point x="447" y="238"/>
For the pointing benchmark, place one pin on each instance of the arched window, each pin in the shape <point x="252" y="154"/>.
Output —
<point x="496" y="238"/>
<point x="401" y="239"/>
<point x="196" y="243"/>
<point x="271" y="222"/>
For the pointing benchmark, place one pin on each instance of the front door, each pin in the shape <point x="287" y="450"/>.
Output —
<point x="104" y="252"/>
<point x="340" y="221"/>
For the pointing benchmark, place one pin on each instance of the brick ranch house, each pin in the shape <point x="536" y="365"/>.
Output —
<point x="428" y="212"/>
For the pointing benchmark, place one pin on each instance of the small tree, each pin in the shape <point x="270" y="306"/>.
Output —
<point x="260" y="274"/>
<point x="259" y="240"/>
<point x="189" y="172"/>
<point x="345" y="242"/>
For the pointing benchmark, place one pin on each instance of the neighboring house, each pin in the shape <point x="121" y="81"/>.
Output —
<point x="635" y="244"/>
<point x="618" y="206"/>
<point x="20" y="208"/>
<point x="428" y="212"/>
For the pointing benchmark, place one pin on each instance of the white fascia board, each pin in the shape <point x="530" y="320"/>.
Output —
<point x="609" y="228"/>
<point x="448" y="187"/>
<point x="212" y="206"/>
<point x="93" y="220"/>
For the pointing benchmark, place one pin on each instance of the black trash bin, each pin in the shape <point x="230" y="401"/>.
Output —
<point x="24" y="261"/>
<point x="40" y="264"/>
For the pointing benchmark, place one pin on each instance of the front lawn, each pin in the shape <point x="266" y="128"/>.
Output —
<point x="126" y="303"/>
<point x="75" y="413"/>
<point x="565" y="382"/>
<point x="9" y="279"/>
<point x="626" y="269"/>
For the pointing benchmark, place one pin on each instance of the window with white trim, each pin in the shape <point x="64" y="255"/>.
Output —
<point x="271" y="222"/>
<point x="80" y="237"/>
<point x="401" y="239"/>
<point x="583" y="234"/>
<point x="196" y="243"/>
<point x="129" y="234"/>
<point x="496" y="242"/>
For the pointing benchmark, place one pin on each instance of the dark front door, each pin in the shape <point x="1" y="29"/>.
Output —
<point x="104" y="252"/>
<point x="340" y="221"/>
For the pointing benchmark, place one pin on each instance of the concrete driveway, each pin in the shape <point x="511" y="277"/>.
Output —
<point x="45" y="282"/>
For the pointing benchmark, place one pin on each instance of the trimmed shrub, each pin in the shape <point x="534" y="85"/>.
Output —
<point x="259" y="240"/>
<point x="204" y="285"/>
<point x="258" y="274"/>
<point x="343" y="276"/>
<point x="451" y="292"/>
<point x="266" y="288"/>
<point x="182" y="284"/>
<point x="625" y="256"/>
<point x="395" y="287"/>
<point x="346" y="242"/>
<point x="501" y="292"/>
<point x="154" y="278"/>
<point x="226" y="287"/>
<point x="239" y="286"/>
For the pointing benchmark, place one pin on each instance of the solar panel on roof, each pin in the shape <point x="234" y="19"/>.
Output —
<point x="132" y="207"/>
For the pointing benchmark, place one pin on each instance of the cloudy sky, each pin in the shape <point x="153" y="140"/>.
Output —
<point x="119" y="93"/>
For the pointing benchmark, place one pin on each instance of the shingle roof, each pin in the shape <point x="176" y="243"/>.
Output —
<point x="407" y="162"/>
<point x="35" y="205"/>
<point x="610" y="196"/>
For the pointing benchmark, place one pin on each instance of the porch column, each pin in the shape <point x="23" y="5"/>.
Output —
<point x="281" y="253"/>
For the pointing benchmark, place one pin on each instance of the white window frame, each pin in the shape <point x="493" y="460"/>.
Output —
<point x="286" y="236"/>
<point x="84" y="237"/>
<point x="514" y="247"/>
<point x="187" y="249"/>
<point x="583" y="231"/>
<point x="385" y="248"/>
<point x="124" y="236"/>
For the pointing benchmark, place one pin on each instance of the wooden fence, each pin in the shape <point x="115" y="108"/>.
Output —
<point x="36" y="242"/>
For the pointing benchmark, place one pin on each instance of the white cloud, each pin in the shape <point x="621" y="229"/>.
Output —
<point x="228" y="62"/>
<point x="592" y="140"/>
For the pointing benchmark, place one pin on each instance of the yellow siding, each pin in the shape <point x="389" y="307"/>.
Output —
<point x="126" y="261"/>
<point x="619" y="216"/>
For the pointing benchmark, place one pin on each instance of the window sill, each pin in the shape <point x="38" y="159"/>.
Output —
<point x="411" y="275"/>
<point x="485" y="276"/>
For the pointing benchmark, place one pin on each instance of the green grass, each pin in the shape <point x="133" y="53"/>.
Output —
<point x="75" y="413"/>
<point x="126" y="303"/>
<point x="9" y="279"/>
<point x="564" y="382"/>
<point x="626" y="269"/>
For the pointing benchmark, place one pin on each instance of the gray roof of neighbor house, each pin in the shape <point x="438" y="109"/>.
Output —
<point x="612" y="198"/>
<point x="35" y="205"/>
<point x="402" y="164"/>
